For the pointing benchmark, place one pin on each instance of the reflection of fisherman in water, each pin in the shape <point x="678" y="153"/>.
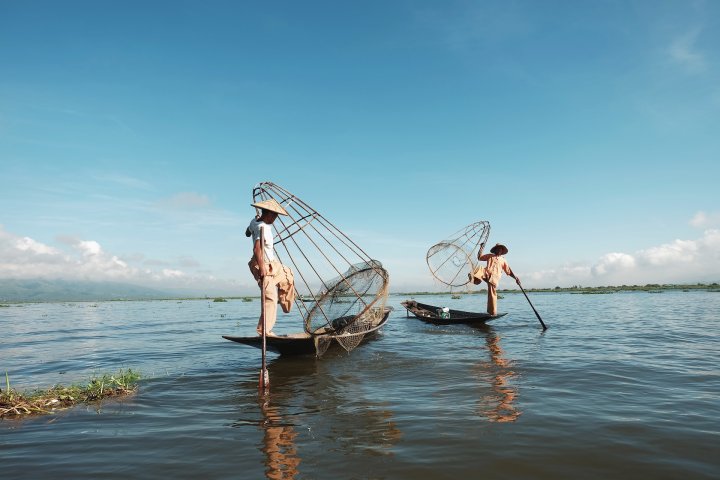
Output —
<point x="497" y="405"/>
<point x="278" y="444"/>
<point x="300" y="385"/>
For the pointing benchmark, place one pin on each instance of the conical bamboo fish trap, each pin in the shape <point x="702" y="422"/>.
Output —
<point x="341" y="291"/>
<point x="451" y="260"/>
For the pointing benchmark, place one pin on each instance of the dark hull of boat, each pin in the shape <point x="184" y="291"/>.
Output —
<point x="296" y="343"/>
<point x="428" y="313"/>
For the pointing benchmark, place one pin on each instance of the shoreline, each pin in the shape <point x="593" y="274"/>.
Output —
<point x="650" y="288"/>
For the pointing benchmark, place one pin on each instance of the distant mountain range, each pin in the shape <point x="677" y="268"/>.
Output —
<point x="43" y="290"/>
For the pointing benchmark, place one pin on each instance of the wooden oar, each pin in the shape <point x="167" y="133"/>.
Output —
<point x="531" y="305"/>
<point x="259" y="252"/>
<point x="264" y="381"/>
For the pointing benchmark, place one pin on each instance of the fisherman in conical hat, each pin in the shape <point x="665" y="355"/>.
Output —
<point x="263" y="264"/>
<point x="496" y="264"/>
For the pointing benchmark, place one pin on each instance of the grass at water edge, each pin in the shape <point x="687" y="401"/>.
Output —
<point x="14" y="403"/>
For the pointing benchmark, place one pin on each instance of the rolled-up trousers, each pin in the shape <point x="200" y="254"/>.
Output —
<point x="269" y="297"/>
<point x="277" y="286"/>
<point x="492" y="299"/>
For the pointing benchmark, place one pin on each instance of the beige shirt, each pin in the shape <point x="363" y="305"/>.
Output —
<point x="495" y="266"/>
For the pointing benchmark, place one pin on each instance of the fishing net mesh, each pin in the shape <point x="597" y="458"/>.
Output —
<point x="341" y="291"/>
<point x="351" y="304"/>
<point x="451" y="260"/>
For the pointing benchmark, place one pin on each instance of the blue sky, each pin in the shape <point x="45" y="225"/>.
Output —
<point x="132" y="134"/>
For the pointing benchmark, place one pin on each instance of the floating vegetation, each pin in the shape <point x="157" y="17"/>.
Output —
<point x="14" y="403"/>
<point x="455" y="297"/>
<point x="709" y="287"/>
<point x="4" y="306"/>
<point x="219" y="299"/>
<point x="247" y="299"/>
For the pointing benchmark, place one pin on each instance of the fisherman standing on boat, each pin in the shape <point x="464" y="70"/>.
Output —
<point x="496" y="264"/>
<point x="270" y="274"/>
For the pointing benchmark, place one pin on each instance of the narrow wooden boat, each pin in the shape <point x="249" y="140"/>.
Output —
<point x="300" y="343"/>
<point x="429" y="313"/>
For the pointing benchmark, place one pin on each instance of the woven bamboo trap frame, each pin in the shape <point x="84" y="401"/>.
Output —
<point x="341" y="291"/>
<point x="451" y="260"/>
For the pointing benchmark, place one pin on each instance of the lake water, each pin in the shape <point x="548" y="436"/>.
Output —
<point x="625" y="385"/>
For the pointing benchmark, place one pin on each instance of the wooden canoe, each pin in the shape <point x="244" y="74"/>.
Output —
<point x="297" y="343"/>
<point x="429" y="314"/>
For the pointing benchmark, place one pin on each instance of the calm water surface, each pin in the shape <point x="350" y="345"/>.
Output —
<point x="625" y="385"/>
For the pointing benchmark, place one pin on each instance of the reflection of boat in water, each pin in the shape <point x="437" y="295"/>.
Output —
<point x="305" y="343"/>
<point x="429" y="313"/>
<point x="498" y="404"/>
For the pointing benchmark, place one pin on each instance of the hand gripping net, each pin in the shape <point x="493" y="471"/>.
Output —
<point x="451" y="260"/>
<point x="341" y="291"/>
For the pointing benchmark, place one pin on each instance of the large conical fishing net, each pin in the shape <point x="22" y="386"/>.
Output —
<point x="451" y="260"/>
<point x="341" y="291"/>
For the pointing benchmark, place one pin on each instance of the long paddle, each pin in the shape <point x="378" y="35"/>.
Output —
<point x="531" y="305"/>
<point x="264" y="381"/>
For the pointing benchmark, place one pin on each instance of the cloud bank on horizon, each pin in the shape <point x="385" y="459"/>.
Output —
<point x="76" y="259"/>
<point x="682" y="261"/>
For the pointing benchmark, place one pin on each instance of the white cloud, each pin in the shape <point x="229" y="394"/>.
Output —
<point x="680" y="261"/>
<point x="27" y="244"/>
<point x="706" y="220"/>
<point x="24" y="257"/>
<point x="679" y="251"/>
<point x="169" y="273"/>
<point x="89" y="248"/>
<point x="682" y="51"/>
<point x="613" y="263"/>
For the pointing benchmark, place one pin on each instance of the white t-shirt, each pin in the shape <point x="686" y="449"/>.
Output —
<point x="263" y="232"/>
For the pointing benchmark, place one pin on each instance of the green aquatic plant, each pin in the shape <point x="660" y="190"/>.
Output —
<point x="7" y="386"/>
<point x="219" y="299"/>
<point x="14" y="403"/>
<point x="247" y="299"/>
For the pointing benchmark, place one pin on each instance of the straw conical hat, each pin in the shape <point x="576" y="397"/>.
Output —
<point x="272" y="205"/>
<point x="499" y="249"/>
